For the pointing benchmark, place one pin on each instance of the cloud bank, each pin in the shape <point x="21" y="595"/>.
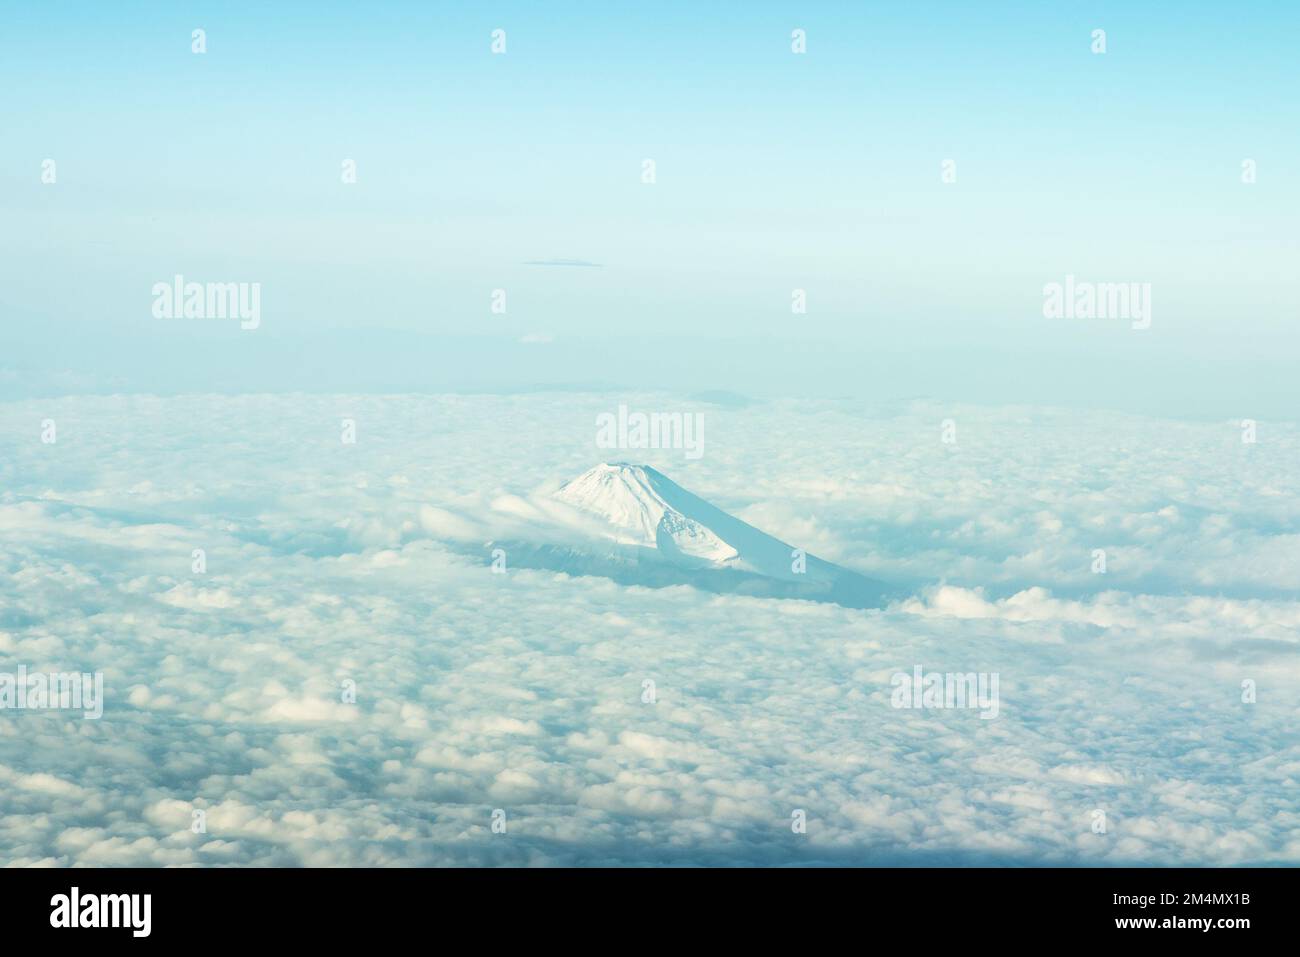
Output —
<point x="328" y="567"/>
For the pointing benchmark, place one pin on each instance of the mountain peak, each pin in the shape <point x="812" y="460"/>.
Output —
<point x="668" y="526"/>
<point x="632" y="524"/>
<point x="635" y="501"/>
<point x="633" y="467"/>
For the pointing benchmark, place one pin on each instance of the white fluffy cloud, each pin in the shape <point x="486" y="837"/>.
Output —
<point x="523" y="692"/>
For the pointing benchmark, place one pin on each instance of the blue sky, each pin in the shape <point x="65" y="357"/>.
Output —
<point x="775" y="171"/>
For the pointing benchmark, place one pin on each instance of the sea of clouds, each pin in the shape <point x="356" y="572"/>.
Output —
<point x="523" y="692"/>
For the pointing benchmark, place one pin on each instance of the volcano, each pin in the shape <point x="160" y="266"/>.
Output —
<point x="633" y="524"/>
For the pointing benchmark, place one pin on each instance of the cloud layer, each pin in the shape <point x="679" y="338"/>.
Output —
<point x="525" y="692"/>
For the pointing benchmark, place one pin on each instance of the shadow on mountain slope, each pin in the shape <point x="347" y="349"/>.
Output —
<point x="631" y="565"/>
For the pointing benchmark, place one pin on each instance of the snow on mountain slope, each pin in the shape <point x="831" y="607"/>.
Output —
<point x="641" y="506"/>
<point x="633" y="524"/>
<point x="630" y="498"/>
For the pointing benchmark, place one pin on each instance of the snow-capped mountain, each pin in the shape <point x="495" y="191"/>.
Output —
<point x="633" y="524"/>
<point x="637" y="503"/>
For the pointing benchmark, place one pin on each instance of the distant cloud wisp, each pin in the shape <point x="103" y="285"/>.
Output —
<point x="564" y="262"/>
